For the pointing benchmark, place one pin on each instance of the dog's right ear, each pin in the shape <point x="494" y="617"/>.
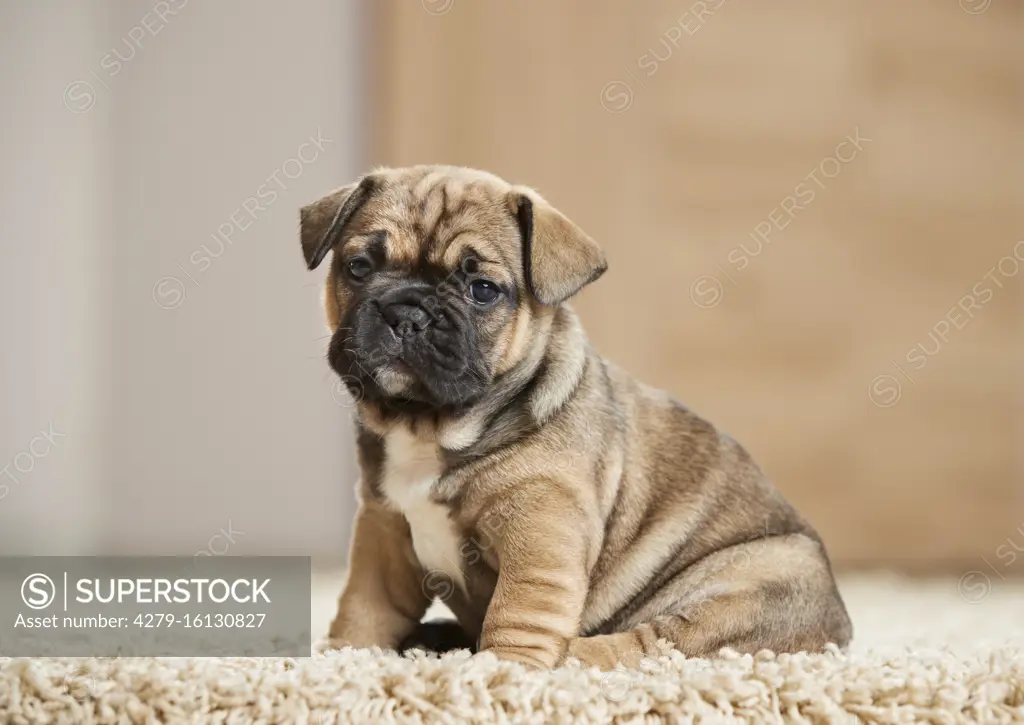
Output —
<point x="322" y="223"/>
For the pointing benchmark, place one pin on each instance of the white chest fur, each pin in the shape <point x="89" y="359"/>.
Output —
<point x="410" y="469"/>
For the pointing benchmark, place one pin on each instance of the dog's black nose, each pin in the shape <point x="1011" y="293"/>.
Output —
<point x="406" y="312"/>
<point x="406" y="319"/>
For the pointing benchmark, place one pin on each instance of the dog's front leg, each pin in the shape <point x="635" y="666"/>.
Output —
<point x="383" y="596"/>
<point x="543" y="550"/>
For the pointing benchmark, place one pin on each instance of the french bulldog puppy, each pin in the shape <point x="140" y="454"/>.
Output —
<point x="558" y="506"/>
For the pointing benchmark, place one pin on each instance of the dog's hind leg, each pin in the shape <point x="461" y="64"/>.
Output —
<point x="775" y="593"/>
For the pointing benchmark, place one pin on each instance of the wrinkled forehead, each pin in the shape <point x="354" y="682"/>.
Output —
<point x="439" y="217"/>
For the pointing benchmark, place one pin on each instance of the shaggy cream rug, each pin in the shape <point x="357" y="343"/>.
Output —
<point x="934" y="651"/>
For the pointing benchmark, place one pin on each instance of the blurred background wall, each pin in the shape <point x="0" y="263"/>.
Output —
<point x="156" y="311"/>
<point x="813" y="216"/>
<point x="813" y="213"/>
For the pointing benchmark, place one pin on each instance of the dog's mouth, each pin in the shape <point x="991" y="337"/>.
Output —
<point x="429" y="369"/>
<point x="395" y="377"/>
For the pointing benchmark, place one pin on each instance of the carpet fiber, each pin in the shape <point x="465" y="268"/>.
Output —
<point x="924" y="651"/>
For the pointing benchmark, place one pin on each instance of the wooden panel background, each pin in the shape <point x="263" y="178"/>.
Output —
<point x="671" y="133"/>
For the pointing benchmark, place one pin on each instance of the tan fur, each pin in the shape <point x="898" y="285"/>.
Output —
<point x="593" y="515"/>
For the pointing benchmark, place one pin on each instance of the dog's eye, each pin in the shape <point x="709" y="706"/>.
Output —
<point x="483" y="292"/>
<point x="359" y="267"/>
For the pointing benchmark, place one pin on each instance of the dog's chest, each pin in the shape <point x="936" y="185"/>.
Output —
<point x="411" y="467"/>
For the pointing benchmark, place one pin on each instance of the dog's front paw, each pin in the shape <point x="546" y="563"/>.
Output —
<point x="329" y="644"/>
<point x="528" y="657"/>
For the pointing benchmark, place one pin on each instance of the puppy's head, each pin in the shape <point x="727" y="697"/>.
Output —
<point x="438" y="277"/>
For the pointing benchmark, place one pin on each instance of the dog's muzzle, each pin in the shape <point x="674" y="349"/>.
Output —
<point x="413" y="332"/>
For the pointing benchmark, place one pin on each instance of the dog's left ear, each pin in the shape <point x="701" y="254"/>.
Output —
<point x="559" y="259"/>
<point x="321" y="223"/>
